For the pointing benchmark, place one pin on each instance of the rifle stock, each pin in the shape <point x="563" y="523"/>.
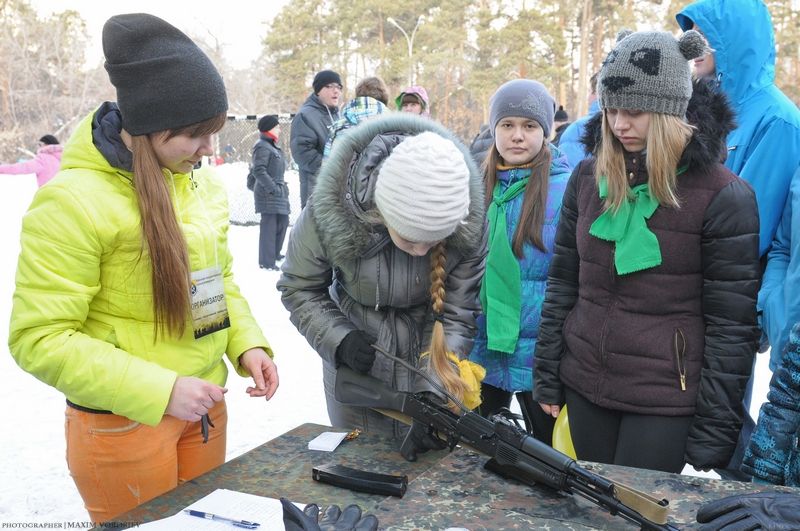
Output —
<point x="514" y="452"/>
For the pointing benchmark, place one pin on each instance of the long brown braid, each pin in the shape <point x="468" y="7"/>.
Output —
<point x="442" y="366"/>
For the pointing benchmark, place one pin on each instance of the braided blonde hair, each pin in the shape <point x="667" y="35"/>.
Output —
<point x="444" y="369"/>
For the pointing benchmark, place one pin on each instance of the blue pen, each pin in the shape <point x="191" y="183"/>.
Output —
<point x="217" y="518"/>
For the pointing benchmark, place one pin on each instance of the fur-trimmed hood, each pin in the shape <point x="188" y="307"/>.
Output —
<point x="709" y="112"/>
<point x="345" y="188"/>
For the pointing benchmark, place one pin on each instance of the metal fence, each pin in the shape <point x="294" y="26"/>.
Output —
<point x="236" y="139"/>
<point x="233" y="148"/>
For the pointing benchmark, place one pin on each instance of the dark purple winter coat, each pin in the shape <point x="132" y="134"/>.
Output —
<point x="623" y="342"/>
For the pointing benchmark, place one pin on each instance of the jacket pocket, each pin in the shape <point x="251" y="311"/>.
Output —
<point x="125" y="429"/>
<point x="111" y="425"/>
<point x="679" y="350"/>
<point x="102" y="331"/>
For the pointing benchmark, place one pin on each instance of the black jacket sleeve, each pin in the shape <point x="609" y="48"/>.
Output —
<point x="731" y="278"/>
<point x="560" y="298"/>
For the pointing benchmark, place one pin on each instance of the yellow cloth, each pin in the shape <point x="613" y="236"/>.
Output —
<point x="471" y="374"/>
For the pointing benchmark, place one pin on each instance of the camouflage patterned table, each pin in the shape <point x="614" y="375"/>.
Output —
<point x="445" y="489"/>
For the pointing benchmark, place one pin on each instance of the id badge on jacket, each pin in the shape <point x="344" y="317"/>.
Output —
<point x="209" y="309"/>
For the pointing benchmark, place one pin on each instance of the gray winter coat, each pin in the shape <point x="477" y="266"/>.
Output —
<point x="342" y="273"/>
<point x="271" y="193"/>
<point x="310" y="130"/>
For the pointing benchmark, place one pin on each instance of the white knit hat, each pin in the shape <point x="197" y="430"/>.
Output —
<point x="423" y="188"/>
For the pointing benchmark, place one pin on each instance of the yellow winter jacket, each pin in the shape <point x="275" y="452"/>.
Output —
<point x="82" y="316"/>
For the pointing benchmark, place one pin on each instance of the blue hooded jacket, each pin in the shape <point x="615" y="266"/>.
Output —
<point x="514" y="372"/>
<point x="764" y="149"/>
<point x="570" y="144"/>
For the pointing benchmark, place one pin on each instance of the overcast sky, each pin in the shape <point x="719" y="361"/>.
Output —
<point x="238" y="24"/>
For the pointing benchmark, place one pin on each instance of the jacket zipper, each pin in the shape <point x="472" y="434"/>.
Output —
<point x="680" y="356"/>
<point x="390" y="275"/>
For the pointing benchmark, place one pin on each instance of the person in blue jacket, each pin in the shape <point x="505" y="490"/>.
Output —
<point x="778" y="299"/>
<point x="773" y="455"/>
<point x="570" y="144"/>
<point x="764" y="149"/>
<point x="525" y="178"/>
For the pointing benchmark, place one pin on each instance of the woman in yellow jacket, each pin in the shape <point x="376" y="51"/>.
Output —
<point x="125" y="300"/>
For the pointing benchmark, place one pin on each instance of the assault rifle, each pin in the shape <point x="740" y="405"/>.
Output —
<point x="513" y="452"/>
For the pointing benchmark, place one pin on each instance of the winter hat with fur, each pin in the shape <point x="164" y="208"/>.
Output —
<point x="163" y="79"/>
<point x="524" y="98"/>
<point x="649" y="71"/>
<point x="422" y="190"/>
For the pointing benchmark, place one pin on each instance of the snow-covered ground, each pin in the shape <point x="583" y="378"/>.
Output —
<point x="35" y="486"/>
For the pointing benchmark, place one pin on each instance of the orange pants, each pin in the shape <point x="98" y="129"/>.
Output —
<point x="117" y="463"/>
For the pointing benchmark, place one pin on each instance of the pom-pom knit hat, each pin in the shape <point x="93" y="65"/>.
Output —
<point x="422" y="191"/>
<point x="649" y="71"/>
<point x="163" y="79"/>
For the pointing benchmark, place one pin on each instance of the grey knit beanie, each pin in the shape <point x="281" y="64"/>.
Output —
<point x="163" y="79"/>
<point x="649" y="71"/>
<point x="524" y="98"/>
<point x="422" y="190"/>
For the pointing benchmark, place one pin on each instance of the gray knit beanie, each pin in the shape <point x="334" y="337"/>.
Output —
<point x="163" y="79"/>
<point x="524" y="98"/>
<point x="422" y="190"/>
<point x="649" y="71"/>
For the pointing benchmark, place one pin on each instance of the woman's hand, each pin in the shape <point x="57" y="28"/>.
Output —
<point x="263" y="371"/>
<point x="551" y="409"/>
<point x="192" y="397"/>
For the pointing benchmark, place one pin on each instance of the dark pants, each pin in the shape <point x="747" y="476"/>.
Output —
<point x="270" y="238"/>
<point x="537" y="422"/>
<point x="655" y="442"/>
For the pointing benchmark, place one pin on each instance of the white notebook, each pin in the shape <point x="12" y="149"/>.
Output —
<point x="327" y="441"/>
<point x="268" y="512"/>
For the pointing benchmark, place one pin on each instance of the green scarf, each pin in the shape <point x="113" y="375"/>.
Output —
<point x="501" y="290"/>
<point x="636" y="247"/>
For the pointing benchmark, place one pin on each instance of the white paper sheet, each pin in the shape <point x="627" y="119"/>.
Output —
<point x="230" y="504"/>
<point x="327" y="441"/>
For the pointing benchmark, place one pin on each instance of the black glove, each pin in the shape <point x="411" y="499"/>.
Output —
<point x="420" y="439"/>
<point x="356" y="352"/>
<point x="773" y="511"/>
<point x="333" y="519"/>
